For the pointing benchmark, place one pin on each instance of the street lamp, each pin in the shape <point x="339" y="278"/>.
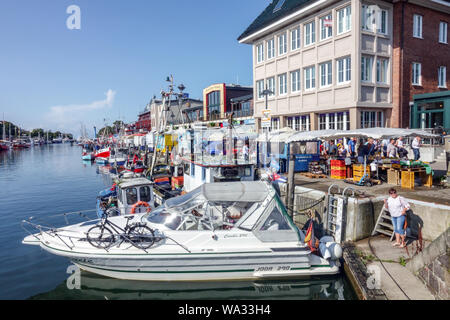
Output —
<point x="266" y="93"/>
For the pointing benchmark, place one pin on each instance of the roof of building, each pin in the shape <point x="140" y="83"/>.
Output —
<point x="243" y="98"/>
<point x="270" y="15"/>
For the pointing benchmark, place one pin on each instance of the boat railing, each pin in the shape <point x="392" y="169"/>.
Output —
<point x="41" y="225"/>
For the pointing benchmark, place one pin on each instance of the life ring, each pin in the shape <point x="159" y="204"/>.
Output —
<point x="139" y="204"/>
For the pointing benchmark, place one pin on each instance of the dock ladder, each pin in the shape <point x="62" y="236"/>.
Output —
<point x="335" y="214"/>
<point x="384" y="224"/>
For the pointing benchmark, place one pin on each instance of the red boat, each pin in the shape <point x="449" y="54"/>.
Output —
<point x="4" y="145"/>
<point x="104" y="153"/>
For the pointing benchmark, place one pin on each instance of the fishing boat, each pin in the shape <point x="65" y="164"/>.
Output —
<point x="103" y="153"/>
<point x="87" y="156"/>
<point x="220" y="231"/>
<point x="102" y="161"/>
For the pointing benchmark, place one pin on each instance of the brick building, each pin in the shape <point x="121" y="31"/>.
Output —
<point x="421" y="58"/>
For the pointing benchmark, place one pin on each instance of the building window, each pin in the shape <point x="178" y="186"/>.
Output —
<point x="366" y="68"/>
<point x="344" y="70"/>
<point x="442" y="77"/>
<point x="275" y="124"/>
<point x="382" y="22"/>
<point x="282" y="44"/>
<point x="416" y="74"/>
<point x="334" y="121"/>
<point x="310" y="78"/>
<point x="326" y="27"/>
<point x="260" y="88"/>
<point x="295" y="81"/>
<point x="382" y="70"/>
<point x="260" y="53"/>
<point x="372" y="119"/>
<point x="295" y="39"/>
<point x="270" y="48"/>
<point x="326" y="74"/>
<point x="367" y="18"/>
<point x="443" y="26"/>
<point x="310" y="33"/>
<point x="271" y="86"/>
<point x="417" y="26"/>
<point x="344" y="22"/>
<point x="282" y="84"/>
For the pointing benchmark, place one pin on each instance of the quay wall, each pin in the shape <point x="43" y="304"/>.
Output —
<point x="432" y="266"/>
<point x="362" y="214"/>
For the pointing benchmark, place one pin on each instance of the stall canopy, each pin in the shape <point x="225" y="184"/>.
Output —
<point x="382" y="133"/>
<point x="311" y="136"/>
<point x="281" y="135"/>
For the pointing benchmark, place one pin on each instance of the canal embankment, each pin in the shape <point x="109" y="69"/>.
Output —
<point x="375" y="268"/>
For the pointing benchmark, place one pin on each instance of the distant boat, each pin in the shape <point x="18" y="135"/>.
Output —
<point x="101" y="160"/>
<point x="58" y="140"/>
<point x="20" y="144"/>
<point x="4" y="145"/>
<point x="88" y="157"/>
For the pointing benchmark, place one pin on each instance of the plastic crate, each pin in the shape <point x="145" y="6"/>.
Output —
<point x="408" y="179"/>
<point x="393" y="177"/>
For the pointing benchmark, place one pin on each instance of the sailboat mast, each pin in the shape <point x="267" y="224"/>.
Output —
<point x="4" y="127"/>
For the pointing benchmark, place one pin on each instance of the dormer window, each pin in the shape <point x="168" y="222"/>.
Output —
<point x="279" y="5"/>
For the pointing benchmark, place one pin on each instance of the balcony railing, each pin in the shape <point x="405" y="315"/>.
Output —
<point x="236" y="114"/>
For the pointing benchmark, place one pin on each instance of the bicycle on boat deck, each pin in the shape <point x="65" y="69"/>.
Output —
<point x="106" y="234"/>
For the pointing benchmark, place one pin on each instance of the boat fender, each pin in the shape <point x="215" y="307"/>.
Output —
<point x="330" y="249"/>
<point x="140" y="204"/>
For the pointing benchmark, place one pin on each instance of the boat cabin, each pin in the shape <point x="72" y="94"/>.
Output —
<point x="132" y="191"/>
<point x="197" y="174"/>
<point x="241" y="207"/>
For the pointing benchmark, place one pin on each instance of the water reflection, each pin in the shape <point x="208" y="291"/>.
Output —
<point x="97" y="287"/>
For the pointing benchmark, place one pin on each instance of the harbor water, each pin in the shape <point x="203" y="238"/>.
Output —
<point x="46" y="181"/>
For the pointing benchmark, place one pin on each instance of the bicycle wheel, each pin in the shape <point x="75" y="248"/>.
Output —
<point x="141" y="236"/>
<point x="100" y="237"/>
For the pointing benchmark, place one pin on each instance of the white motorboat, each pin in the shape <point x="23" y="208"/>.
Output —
<point x="220" y="231"/>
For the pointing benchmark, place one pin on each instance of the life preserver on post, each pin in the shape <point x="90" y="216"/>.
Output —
<point x="140" y="204"/>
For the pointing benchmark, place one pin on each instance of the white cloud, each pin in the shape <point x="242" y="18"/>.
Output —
<point x="69" y="116"/>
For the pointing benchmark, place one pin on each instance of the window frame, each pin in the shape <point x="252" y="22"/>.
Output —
<point x="260" y="53"/>
<point x="285" y="47"/>
<point x="443" y="32"/>
<point x="416" y="25"/>
<point x="297" y="40"/>
<point x="259" y="92"/>
<point x="328" y="75"/>
<point x="326" y="29"/>
<point x="285" y="84"/>
<point x="309" y="35"/>
<point x="346" y="70"/>
<point x="312" y="80"/>
<point x="271" y="85"/>
<point x="346" y="20"/>
<point x="413" y="72"/>
<point x="382" y="62"/>
<point x="442" y="77"/>
<point x="364" y="77"/>
<point x="271" y="53"/>
<point x="298" y="82"/>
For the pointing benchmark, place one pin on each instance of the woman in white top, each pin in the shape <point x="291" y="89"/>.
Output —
<point x="397" y="207"/>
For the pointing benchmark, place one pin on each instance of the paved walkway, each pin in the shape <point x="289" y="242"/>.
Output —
<point x="411" y="287"/>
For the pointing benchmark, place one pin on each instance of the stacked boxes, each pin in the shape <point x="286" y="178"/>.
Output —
<point x="358" y="172"/>
<point x="338" y="169"/>
<point x="177" y="182"/>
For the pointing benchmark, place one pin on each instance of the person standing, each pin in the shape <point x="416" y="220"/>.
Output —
<point x="415" y="145"/>
<point x="391" y="149"/>
<point x="352" y="147"/>
<point x="397" y="207"/>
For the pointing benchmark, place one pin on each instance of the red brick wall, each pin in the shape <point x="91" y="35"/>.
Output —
<point x="427" y="51"/>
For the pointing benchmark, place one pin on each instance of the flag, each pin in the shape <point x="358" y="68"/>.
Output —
<point x="328" y="23"/>
<point x="309" y="238"/>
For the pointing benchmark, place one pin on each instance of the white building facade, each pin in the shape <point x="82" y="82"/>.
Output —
<point x="328" y="63"/>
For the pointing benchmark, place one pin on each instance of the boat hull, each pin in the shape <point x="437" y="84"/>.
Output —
<point x="236" y="266"/>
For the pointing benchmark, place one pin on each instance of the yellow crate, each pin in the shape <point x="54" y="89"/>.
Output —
<point x="337" y="178"/>
<point x="408" y="179"/>
<point x="393" y="177"/>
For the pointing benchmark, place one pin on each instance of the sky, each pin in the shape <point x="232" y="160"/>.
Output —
<point x="53" y="77"/>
